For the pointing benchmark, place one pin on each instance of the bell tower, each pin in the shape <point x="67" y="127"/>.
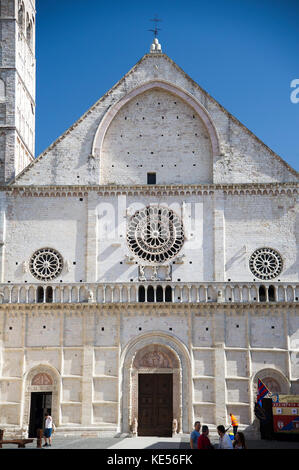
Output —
<point x="17" y="86"/>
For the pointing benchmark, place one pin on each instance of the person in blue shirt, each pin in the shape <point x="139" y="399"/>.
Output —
<point x="195" y="435"/>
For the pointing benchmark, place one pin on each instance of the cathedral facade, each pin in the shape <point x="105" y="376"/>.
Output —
<point x="149" y="256"/>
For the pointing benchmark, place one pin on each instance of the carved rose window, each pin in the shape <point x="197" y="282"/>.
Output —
<point x="46" y="264"/>
<point x="265" y="263"/>
<point x="155" y="234"/>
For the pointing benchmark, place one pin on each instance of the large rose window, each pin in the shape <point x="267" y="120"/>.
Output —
<point x="155" y="234"/>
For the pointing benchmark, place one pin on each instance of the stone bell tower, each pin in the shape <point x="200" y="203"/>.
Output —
<point x="17" y="86"/>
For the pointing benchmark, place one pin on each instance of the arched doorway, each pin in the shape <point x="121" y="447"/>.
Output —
<point x="276" y="383"/>
<point x="156" y="381"/>
<point x="41" y="396"/>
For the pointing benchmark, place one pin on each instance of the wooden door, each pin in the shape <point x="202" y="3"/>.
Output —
<point x="155" y="405"/>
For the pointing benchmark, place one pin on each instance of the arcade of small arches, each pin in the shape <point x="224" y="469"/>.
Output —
<point x="145" y="293"/>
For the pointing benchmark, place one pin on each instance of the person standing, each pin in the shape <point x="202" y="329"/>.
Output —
<point x="239" y="442"/>
<point x="48" y="430"/>
<point x="224" y="440"/>
<point x="234" y="422"/>
<point x="203" y="441"/>
<point x="195" y="435"/>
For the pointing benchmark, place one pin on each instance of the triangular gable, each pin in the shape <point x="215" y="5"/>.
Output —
<point x="243" y="157"/>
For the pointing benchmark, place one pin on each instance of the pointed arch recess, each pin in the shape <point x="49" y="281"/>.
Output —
<point x="166" y="86"/>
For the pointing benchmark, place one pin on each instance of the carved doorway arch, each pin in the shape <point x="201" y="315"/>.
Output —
<point x="156" y="354"/>
<point x="42" y="378"/>
<point x="274" y="380"/>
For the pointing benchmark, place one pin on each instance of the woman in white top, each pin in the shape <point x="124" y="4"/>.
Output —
<point x="224" y="440"/>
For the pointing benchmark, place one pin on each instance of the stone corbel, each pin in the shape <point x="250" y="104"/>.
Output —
<point x="129" y="259"/>
<point x="180" y="259"/>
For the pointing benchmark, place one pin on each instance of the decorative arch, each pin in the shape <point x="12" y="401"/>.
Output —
<point x="41" y="378"/>
<point x="156" y="352"/>
<point x="166" y="86"/>
<point x="274" y="379"/>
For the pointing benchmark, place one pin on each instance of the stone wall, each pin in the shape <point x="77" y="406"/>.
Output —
<point x="89" y="230"/>
<point x="86" y="349"/>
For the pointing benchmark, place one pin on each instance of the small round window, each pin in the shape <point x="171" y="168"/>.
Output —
<point x="265" y="263"/>
<point x="46" y="264"/>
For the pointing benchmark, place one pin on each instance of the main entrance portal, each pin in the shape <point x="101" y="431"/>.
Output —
<point x="155" y="404"/>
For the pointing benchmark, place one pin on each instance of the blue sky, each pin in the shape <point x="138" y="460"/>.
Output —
<point x="244" y="53"/>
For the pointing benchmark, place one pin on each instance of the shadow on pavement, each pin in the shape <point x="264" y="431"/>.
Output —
<point x="166" y="445"/>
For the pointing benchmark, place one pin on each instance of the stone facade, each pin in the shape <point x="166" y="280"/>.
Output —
<point x="91" y="293"/>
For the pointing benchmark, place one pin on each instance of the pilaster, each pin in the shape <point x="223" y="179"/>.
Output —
<point x="219" y="237"/>
<point x="91" y="238"/>
<point x="219" y="367"/>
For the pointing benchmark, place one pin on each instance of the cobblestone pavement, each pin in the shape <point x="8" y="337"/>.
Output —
<point x="115" y="443"/>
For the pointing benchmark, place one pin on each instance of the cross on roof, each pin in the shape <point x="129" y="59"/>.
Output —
<point x="156" y="29"/>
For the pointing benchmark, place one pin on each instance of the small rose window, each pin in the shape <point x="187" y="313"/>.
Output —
<point x="265" y="263"/>
<point x="46" y="264"/>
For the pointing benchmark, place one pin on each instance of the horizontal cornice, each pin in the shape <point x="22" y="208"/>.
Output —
<point x="153" y="190"/>
<point x="150" y="308"/>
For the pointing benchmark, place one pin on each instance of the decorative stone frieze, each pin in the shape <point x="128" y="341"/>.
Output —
<point x="261" y="189"/>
